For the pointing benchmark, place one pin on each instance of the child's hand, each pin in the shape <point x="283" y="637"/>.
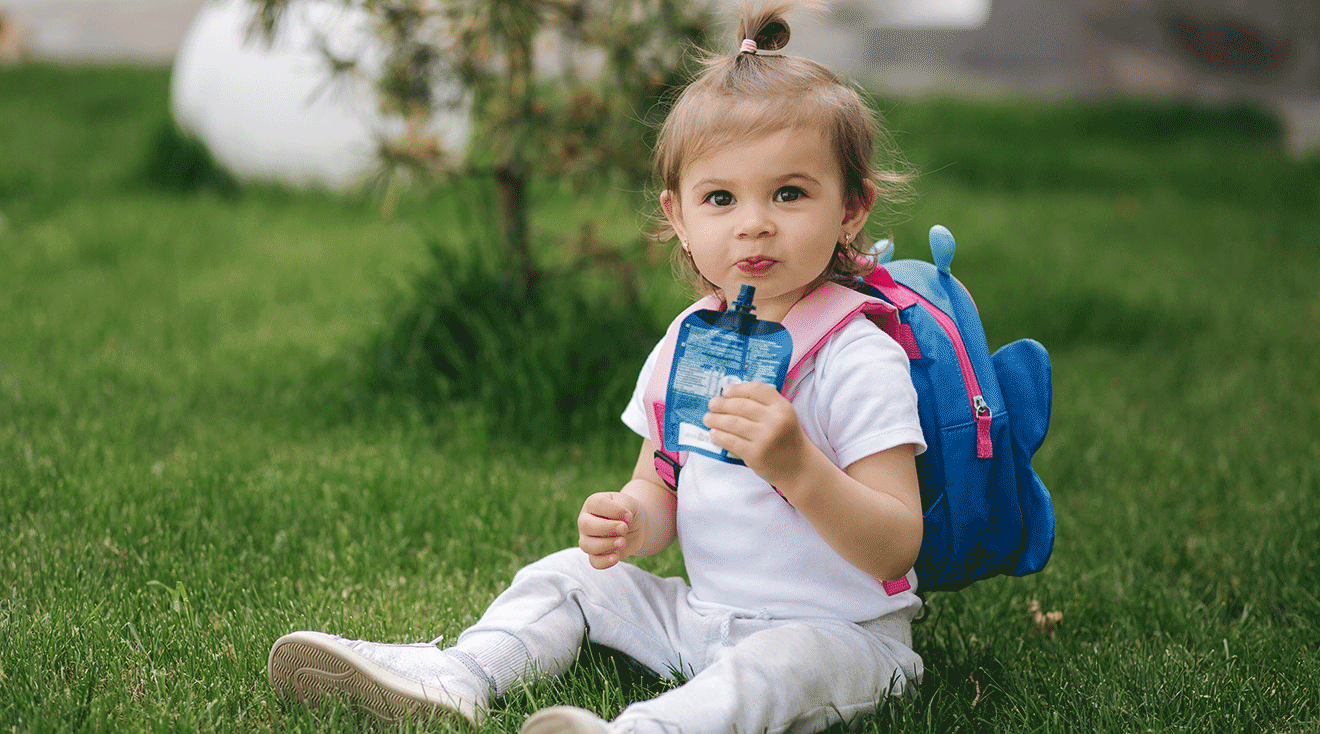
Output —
<point x="758" y="424"/>
<point x="609" y="528"/>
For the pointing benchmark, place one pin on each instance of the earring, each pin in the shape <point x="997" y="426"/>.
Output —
<point x="686" y="247"/>
<point x="847" y="237"/>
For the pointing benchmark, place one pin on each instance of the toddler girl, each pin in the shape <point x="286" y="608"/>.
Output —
<point x="766" y="175"/>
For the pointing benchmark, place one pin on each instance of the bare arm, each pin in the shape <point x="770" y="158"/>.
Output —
<point x="638" y="520"/>
<point x="870" y="513"/>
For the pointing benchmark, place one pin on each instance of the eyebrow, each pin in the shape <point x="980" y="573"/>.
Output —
<point x="724" y="183"/>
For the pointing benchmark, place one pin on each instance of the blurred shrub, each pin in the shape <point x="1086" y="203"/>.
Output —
<point x="182" y="164"/>
<point x="561" y="368"/>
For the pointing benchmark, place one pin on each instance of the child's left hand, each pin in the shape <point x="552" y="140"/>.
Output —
<point x="756" y="422"/>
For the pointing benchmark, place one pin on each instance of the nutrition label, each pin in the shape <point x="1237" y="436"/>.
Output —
<point x="715" y="351"/>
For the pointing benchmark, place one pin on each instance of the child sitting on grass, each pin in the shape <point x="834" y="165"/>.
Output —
<point x="765" y="164"/>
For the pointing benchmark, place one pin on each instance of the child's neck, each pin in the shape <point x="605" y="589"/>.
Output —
<point x="773" y="309"/>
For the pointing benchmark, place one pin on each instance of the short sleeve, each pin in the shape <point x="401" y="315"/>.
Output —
<point x="634" y="414"/>
<point x="865" y="400"/>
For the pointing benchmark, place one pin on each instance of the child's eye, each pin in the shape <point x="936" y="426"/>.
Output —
<point x="787" y="194"/>
<point x="719" y="198"/>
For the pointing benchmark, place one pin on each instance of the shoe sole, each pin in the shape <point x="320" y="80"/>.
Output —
<point x="308" y="666"/>
<point x="563" y="720"/>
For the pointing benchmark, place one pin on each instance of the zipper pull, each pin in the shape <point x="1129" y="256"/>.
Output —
<point x="985" y="449"/>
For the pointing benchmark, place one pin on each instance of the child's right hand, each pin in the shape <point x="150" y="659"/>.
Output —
<point x="609" y="528"/>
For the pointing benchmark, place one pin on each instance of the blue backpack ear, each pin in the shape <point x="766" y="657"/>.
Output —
<point x="1023" y="369"/>
<point x="941" y="247"/>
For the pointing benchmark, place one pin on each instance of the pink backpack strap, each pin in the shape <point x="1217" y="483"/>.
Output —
<point x="820" y="313"/>
<point x="896" y="587"/>
<point x="881" y="280"/>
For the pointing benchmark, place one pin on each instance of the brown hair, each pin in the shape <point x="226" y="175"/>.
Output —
<point x="747" y="96"/>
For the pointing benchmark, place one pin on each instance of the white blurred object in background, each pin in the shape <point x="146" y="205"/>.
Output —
<point x="952" y="14"/>
<point x="273" y="112"/>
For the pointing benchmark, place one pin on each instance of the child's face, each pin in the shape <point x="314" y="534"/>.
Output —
<point x="765" y="212"/>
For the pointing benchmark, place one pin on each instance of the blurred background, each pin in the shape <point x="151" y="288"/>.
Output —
<point x="1264" y="51"/>
<point x="511" y="143"/>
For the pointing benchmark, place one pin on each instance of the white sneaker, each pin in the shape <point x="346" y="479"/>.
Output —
<point x="564" y="720"/>
<point x="391" y="682"/>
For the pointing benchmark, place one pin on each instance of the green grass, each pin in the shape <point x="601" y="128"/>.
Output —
<point x="193" y="459"/>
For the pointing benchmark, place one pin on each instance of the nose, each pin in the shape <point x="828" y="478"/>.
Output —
<point x="756" y="223"/>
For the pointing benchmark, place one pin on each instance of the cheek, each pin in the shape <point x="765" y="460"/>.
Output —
<point x="702" y="258"/>
<point x="707" y="261"/>
<point x="823" y="261"/>
<point x="821" y="256"/>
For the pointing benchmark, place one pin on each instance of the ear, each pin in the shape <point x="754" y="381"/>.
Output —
<point x="673" y="213"/>
<point x="858" y="209"/>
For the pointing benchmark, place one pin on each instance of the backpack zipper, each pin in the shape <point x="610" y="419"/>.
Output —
<point x="980" y="408"/>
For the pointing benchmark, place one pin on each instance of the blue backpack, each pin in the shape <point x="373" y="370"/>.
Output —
<point x="986" y="511"/>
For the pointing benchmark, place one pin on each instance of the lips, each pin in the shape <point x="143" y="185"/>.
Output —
<point x="756" y="265"/>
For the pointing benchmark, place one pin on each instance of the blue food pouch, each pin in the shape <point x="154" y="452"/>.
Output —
<point x="715" y="349"/>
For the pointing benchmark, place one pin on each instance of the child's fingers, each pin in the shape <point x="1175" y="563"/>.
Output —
<point x="729" y="424"/>
<point x="757" y="391"/>
<point x="599" y="546"/>
<point x="601" y="539"/>
<point x="757" y="424"/>
<point x="608" y="505"/>
<point x="729" y="442"/>
<point x="594" y="526"/>
<point x="748" y="418"/>
<point x="603" y="526"/>
<point x="752" y="400"/>
<point x="733" y="406"/>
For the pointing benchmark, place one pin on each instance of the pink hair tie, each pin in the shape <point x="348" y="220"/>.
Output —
<point x="748" y="46"/>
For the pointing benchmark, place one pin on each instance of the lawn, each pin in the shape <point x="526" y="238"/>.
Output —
<point x="195" y="458"/>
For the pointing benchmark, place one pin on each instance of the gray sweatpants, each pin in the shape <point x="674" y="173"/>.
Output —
<point x="746" y="674"/>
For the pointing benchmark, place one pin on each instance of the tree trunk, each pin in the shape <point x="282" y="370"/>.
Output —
<point x="511" y="183"/>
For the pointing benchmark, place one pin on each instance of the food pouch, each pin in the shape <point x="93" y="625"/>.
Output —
<point x="715" y="349"/>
